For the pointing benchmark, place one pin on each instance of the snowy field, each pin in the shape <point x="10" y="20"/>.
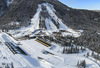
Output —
<point x="35" y="57"/>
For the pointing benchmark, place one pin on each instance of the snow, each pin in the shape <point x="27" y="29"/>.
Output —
<point x="98" y="33"/>
<point x="35" y="50"/>
<point x="35" y="57"/>
<point x="51" y="27"/>
<point x="35" y="20"/>
<point x="62" y="26"/>
<point x="19" y="60"/>
<point x="9" y="2"/>
<point x="28" y="30"/>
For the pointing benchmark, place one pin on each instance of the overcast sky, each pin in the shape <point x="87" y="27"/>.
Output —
<point x="83" y="4"/>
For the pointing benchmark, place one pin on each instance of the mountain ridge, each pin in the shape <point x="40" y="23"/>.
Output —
<point x="25" y="13"/>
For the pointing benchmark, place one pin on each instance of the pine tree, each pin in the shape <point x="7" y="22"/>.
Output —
<point x="84" y="64"/>
<point x="64" y="50"/>
<point x="78" y="63"/>
<point x="7" y="66"/>
<point x="98" y="57"/>
<point x="92" y="53"/>
<point x="12" y="65"/>
<point x="88" y="54"/>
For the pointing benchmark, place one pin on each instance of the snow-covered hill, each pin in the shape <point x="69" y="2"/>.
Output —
<point x="45" y="20"/>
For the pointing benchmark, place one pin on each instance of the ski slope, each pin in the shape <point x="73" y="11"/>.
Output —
<point x="50" y="25"/>
<point x="35" y="57"/>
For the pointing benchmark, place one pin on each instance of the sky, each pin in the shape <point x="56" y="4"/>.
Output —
<point x="83" y="4"/>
